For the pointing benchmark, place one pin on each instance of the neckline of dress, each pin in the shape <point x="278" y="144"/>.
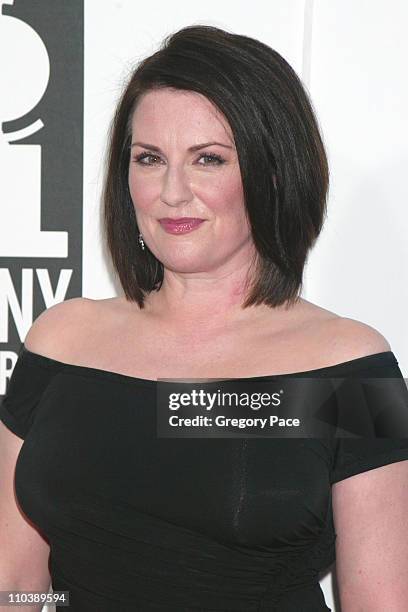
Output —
<point x="351" y="364"/>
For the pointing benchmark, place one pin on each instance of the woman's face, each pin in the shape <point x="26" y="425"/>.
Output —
<point x="168" y="180"/>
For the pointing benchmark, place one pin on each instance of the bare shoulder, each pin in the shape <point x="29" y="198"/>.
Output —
<point x="57" y="328"/>
<point x="352" y="339"/>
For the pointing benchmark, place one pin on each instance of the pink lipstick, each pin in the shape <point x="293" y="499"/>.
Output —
<point x="181" y="225"/>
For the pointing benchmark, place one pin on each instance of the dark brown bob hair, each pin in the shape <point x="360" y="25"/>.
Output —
<point x="282" y="159"/>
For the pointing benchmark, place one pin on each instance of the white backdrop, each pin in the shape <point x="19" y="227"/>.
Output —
<point x="352" y="58"/>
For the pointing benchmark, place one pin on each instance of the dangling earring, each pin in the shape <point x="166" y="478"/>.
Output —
<point x="141" y="242"/>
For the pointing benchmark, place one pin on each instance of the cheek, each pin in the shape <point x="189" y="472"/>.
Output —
<point x="225" y="196"/>
<point x="228" y="205"/>
<point x="143" y="192"/>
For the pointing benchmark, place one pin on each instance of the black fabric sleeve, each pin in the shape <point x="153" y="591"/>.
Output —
<point x="30" y="377"/>
<point x="355" y="455"/>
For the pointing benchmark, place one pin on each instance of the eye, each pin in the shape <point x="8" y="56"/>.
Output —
<point x="211" y="157"/>
<point x="139" y="158"/>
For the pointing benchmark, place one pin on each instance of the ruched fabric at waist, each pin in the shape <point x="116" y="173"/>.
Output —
<point x="307" y="599"/>
<point x="160" y="566"/>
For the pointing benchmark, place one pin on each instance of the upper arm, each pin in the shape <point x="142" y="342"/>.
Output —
<point x="24" y="550"/>
<point x="369" y="513"/>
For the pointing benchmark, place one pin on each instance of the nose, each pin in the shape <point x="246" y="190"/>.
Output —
<point x="175" y="189"/>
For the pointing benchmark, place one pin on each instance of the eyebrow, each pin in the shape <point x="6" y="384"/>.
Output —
<point x="193" y="148"/>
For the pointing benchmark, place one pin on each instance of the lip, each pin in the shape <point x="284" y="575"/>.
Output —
<point x="181" y="225"/>
<point x="180" y="219"/>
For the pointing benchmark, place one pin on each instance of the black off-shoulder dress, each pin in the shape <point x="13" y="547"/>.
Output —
<point x="137" y="522"/>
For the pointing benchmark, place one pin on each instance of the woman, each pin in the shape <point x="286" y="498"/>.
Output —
<point x="217" y="128"/>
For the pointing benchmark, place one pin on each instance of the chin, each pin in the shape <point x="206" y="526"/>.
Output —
<point x="186" y="264"/>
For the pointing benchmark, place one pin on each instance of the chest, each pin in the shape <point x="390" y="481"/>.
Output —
<point x="156" y="354"/>
<point x="94" y="453"/>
